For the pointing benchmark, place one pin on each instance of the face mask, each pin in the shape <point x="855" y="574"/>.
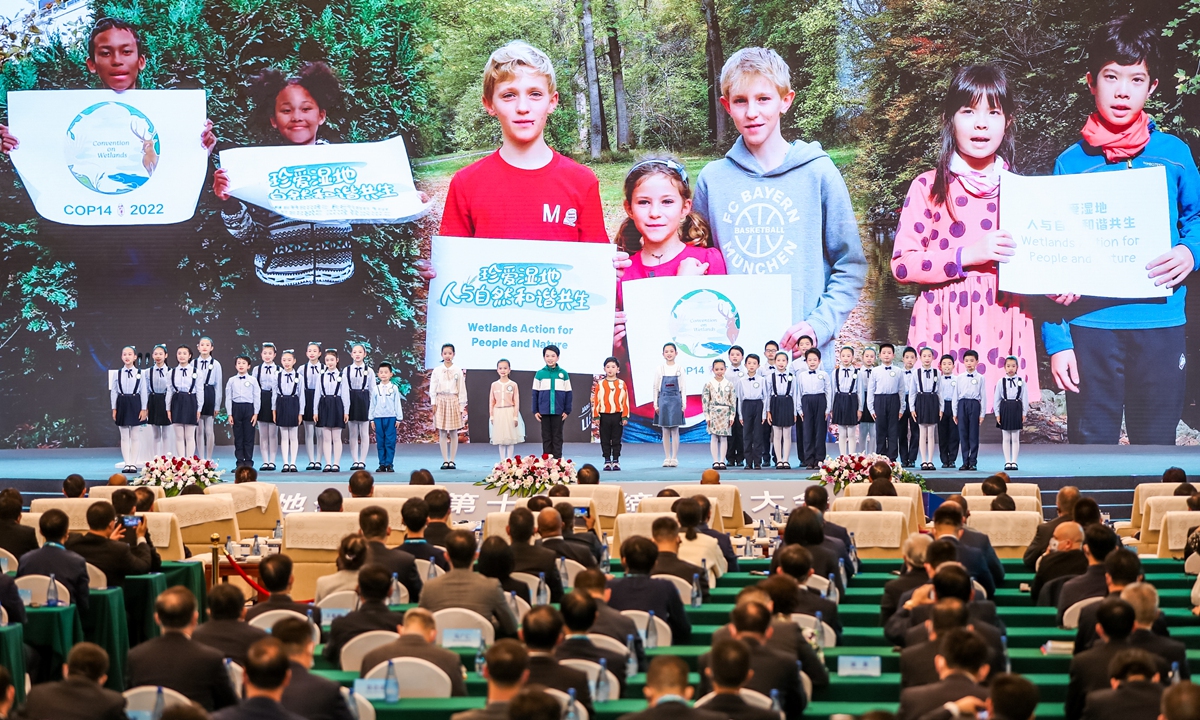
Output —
<point x="1053" y="544"/>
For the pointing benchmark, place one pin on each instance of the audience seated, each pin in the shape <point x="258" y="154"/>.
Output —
<point x="117" y="480"/>
<point x="372" y="613"/>
<point x="438" y="526"/>
<point x="1064" y="502"/>
<point x="352" y="555"/>
<point x="415" y="514"/>
<point x="538" y="503"/>
<point x="373" y="523"/>
<point x="917" y="666"/>
<point x="995" y="486"/>
<point x="420" y="477"/>
<point x="723" y="541"/>
<point x="1064" y="558"/>
<point x="268" y="671"/>
<point x="362" y="484"/>
<point x="695" y="547"/>
<point x="1090" y="669"/>
<point x="1121" y="568"/>
<point x="506" y="669"/>
<point x="462" y="588"/>
<point x="771" y="669"/>
<point x="174" y="660"/>
<point x="1135" y="693"/>
<point x="275" y="575"/>
<point x="665" y="531"/>
<point x="310" y="696"/>
<point x="1087" y="512"/>
<point x="948" y="525"/>
<point x="533" y="559"/>
<point x="980" y="541"/>
<point x="638" y="591"/>
<point x="667" y="691"/>
<point x="727" y="673"/>
<point x="330" y="500"/>
<point x="796" y="562"/>
<point x="1003" y="503"/>
<point x="610" y="622"/>
<point x="103" y="545"/>
<point x="227" y="630"/>
<point x="587" y="474"/>
<point x="245" y="474"/>
<point x="1184" y="490"/>
<point x="1181" y="702"/>
<point x="496" y="561"/>
<point x="1144" y="600"/>
<point x="804" y="528"/>
<point x="124" y="502"/>
<point x="961" y="663"/>
<point x="579" y="615"/>
<point x="777" y="594"/>
<point x="535" y="703"/>
<point x="1010" y="697"/>
<point x="542" y="631"/>
<point x="81" y="695"/>
<point x="145" y="499"/>
<point x="1098" y="542"/>
<point x="74" y="486"/>
<point x="54" y="558"/>
<point x="15" y="537"/>
<point x="913" y="575"/>
<point x="817" y="498"/>
<point x="561" y="490"/>
<point x="950" y="581"/>
<point x="550" y="529"/>
<point x="588" y="538"/>
<point x="8" y="694"/>
<point x="667" y="492"/>
<point x="418" y="639"/>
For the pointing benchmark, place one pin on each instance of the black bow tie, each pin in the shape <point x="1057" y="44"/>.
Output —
<point x="128" y="373"/>
<point x="359" y="370"/>
<point x="1012" y="381"/>
<point x="185" y="372"/>
<point x="160" y="372"/>
<point x="908" y="372"/>
<point x="269" y="368"/>
<point x="203" y="364"/>
<point x="330" y="373"/>
<point x="928" y="373"/>
<point x="970" y="374"/>
<point x="812" y="372"/>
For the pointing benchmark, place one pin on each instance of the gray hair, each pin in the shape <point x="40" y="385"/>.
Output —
<point x="914" y="548"/>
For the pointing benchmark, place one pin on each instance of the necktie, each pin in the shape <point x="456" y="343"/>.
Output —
<point x="359" y="370"/>
<point x="128" y="373"/>
<point x="203" y="364"/>
<point x="1012" y="382"/>
<point x="185" y="372"/>
<point x="160" y="372"/>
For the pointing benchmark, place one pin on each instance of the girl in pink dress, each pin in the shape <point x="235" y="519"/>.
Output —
<point x="948" y="242"/>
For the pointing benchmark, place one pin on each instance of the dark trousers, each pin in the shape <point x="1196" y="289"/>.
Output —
<point x="767" y="452"/>
<point x="243" y="433"/>
<point x="734" y="451"/>
<point x="968" y="430"/>
<point x="610" y="436"/>
<point x="752" y="427"/>
<point x="948" y="435"/>
<point x="811" y="445"/>
<point x="1140" y="372"/>
<point x="552" y="431"/>
<point x="887" y="425"/>
<point x="910" y="438"/>
<point x="385" y="440"/>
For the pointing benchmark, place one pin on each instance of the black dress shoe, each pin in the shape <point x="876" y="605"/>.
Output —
<point x="964" y="466"/>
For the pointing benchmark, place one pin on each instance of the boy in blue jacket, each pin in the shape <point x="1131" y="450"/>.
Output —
<point x="551" y="401"/>
<point x="1123" y="357"/>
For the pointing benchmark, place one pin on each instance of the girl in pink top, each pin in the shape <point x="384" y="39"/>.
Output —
<point x="948" y="242"/>
<point x="664" y="238"/>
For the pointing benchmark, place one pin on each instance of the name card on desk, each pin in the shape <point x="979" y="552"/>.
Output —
<point x="859" y="666"/>
<point x="328" y="615"/>
<point x="26" y="596"/>
<point x="370" y="689"/>
<point x="461" y="637"/>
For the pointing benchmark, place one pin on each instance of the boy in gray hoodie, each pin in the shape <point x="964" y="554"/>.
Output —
<point x="782" y="208"/>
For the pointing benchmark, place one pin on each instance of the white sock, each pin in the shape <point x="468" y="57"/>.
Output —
<point x="714" y="448"/>
<point x="453" y="444"/>
<point x="127" y="445"/>
<point x="444" y="444"/>
<point x="674" y="443"/>
<point x="205" y="439"/>
<point x="309" y="442"/>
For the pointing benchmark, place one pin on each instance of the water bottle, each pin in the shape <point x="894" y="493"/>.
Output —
<point x="157" y="712"/>
<point x="775" y="704"/>
<point x="601" y="694"/>
<point x="854" y="554"/>
<point x="229" y="673"/>
<point x="278" y="535"/>
<point x="255" y="549"/>
<point x="833" y="595"/>
<point x="478" y="533"/>
<point x="513" y="605"/>
<point x="230" y="549"/>
<point x="310" y="616"/>
<point x="842" y="572"/>
<point x="543" y="592"/>
<point x="748" y="548"/>
<point x="391" y="686"/>
<point x="562" y="572"/>
<point x="777" y="514"/>
<point x="605" y="557"/>
<point x="651" y="631"/>
<point x="631" y="663"/>
<point x="572" y="709"/>
<point x="395" y="598"/>
<point x="762" y="528"/>
<point x="704" y="567"/>
<point x="431" y="573"/>
<point x="819" y="633"/>
<point x="697" y="594"/>
<point x="480" y="661"/>
<point x="352" y="703"/>
<point x="1175" y="679"/>
<point x="52" y="592"/>
<point x="1004" y="647"/>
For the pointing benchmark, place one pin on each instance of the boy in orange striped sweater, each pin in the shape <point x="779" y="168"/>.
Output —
<point x="610" y="403"/>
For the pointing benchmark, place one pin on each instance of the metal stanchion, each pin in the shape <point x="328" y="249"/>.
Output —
<point x="215" y="540"/>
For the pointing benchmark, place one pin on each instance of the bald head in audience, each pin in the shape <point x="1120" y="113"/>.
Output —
<point x="1069" y="536"/>
<point x="549" y="523"/>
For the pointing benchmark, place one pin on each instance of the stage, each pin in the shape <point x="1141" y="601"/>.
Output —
<point x="1108" y="474"/>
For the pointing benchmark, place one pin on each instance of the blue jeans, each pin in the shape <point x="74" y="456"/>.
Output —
<point x="385" y="439"/>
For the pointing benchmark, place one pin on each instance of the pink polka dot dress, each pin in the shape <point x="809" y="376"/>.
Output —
<point x="960" y="309"/>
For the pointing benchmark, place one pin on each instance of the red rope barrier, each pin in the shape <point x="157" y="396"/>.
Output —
<point x="257" y="588"/>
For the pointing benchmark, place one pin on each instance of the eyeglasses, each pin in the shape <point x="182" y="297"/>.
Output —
<point x="671" y="165"/>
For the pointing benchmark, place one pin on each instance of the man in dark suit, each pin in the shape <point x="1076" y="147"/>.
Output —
<point x="438" y="501"/>
<point x="961" y="662"/>
<point x="550" y="528"/>
<point x="587" y="537"/>
<point x="372" y="613"/>
<point x="1121" y="569"/>
<point x="275" y="575"/>
<point x="415" y="513"/>
<point x="817" y="498"/>
<point x="374" y="523"/>
<point x="1067" y="559"/>
<point x="1065" y="504"/>
<point x="268" y="672"/>
<point x="667" y="691"/>
<point x="175" y="661"/>
<point x="418" y="639"/>
<point x="1135" y="693"/>
<point x="68" y="567"/>
<point x="727" y="673"/>
<point x="124" y="502"/>
<point x="950" y="581"/>
<point x="980" y="541"/>
<point x="1089" y="669"/>
<point x="464" y="588"/>
<point x="311" y="696"/>
<point x="506" y="671"/>
<point x="81" y="695"/>
<point x="638" y="591"/>
<point x="665" y="531"/>
<point x="1011" y="697"/>
<point x="530" y="558"/>
<point x="771" y="669"/>
<point x="609" y="622"/>
<point x="227" y="630"/>
<point x="1144" y="599"/>
<point x="579" y="614"/>
<point x="917" y="666"/>
<point x="795" y="561"/>
<point x="1098" y="542"/>
<point x="722" y="539"/>
<point x="103" y="545"/>
<point x="912" y="576"/>
<point x="542" y="631"/>
<point x="948" y="525"/>
<point x="15" y="537"/>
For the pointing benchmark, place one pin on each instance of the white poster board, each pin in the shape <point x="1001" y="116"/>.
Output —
<point x="354" y="182"/>
<point x="497" y="299"/>
<point x="98" y="157"/>
<point x="703" y="315"/>
<point x="1086" y="234"/>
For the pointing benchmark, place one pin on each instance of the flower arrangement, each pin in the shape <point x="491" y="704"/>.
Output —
<point x="529" y="475"/>
<point x="845" y="470"/>
<point x="173" y="474"/>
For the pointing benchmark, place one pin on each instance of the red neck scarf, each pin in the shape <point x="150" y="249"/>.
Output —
<point x="1117" y="145"/>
